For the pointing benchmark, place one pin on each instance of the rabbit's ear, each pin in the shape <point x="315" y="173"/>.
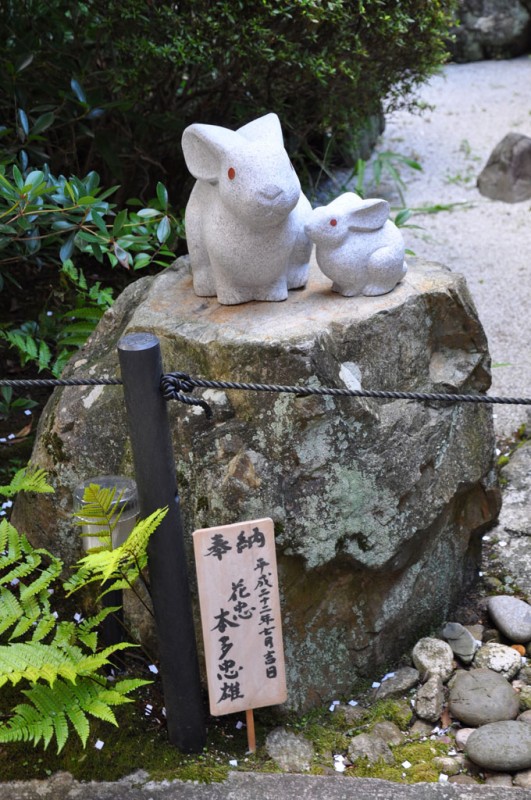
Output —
<point x="267" y="127"/>
<point x="203" y="148"/>
<point x="370" y="216"/>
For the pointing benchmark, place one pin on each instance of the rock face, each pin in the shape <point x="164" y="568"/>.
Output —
<point x="378" y="505"/>
<point x="491" y="29"/>
<point x="507" y="174"/>
<point x="505" y="746"/>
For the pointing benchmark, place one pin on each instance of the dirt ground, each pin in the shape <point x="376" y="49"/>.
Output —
<point x="471" y="108"/>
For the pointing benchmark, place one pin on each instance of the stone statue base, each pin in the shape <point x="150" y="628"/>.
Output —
<point x="378" y="505"/>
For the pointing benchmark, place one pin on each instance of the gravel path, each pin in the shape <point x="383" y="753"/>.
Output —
<point x="473" y="107"/>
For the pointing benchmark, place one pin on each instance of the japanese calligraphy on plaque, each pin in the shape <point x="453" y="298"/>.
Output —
<point x="240" y="615"/>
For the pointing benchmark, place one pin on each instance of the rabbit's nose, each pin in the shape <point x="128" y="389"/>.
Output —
<point x="271" y="191"/>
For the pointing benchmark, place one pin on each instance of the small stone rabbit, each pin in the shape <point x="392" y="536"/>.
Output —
<point x="246" y="213"/>
<point x="357" y="245"/>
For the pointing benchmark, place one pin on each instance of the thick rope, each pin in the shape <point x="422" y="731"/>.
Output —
<point x="181" y="382"/>
<point x="175" y="385"/>
<point x="28" y="384"/>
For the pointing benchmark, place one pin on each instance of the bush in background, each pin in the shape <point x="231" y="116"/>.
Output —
<point x="111" y="87"/>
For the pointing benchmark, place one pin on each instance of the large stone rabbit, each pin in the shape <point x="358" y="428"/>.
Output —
<point x="246" y="214"/>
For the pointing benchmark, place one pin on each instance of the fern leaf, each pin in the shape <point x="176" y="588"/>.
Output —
<point x="92" y="622"/>
<point x="101" y="509"/>
<point x="27" y="480"/>
<point x="43" y="627"/>
<point x="90" y="640"/>
<point x="10" y="609"/>
<point x="65" y="634"/>
<point x="27" y="725"/>
<point x="101" y="710"/>
<point x="47" y="576"/>
<point x="105" y="565"/>
<point x="60" y="726"/>
<point x="86" y="632"/>
<point x="34" y="661"/>
<point x="20" y="569"/>
<point x="79" y="722"/>
<point x="124" y="687"/>
<point x="31" y="611"/>
<point x="49" y="711"/>
<point x="10" y="544"/>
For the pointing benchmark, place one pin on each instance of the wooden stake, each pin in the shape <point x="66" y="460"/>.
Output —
<point x="251" y="736"/>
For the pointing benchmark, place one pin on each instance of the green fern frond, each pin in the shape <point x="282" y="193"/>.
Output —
<point x="106" y="565"/>
<point x="27" y="725"/>
<point x="20" y="569"/>
<point x="59" y="659"/>
<point x="31" y="612"/>
<point x="34" y="661"/>
<point x="11" y="543"/>
<point x="24" y="599"/>
<point x="50" y="711"/>
<point x="101" y="509"/>
<point x="86" y="632"/>
<point x="27" y="479"/>
<point x="11" y="610"/>
<point x="43" y="582"/>
<point x="65" y="633"/>
<point x="44" y="627"/>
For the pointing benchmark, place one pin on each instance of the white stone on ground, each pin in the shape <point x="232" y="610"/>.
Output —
<point x="499" y="658"/>
<point x="433" y="657"/>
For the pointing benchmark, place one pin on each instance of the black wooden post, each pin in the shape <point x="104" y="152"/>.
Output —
<point x="141" y="368"/>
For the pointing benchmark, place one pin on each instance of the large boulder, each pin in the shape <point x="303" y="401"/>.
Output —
<point x="507" y="173"/>
<point x="491" y="29"/>
<point x="378" y="505"/>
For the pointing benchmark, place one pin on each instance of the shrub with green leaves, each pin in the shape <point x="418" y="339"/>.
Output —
<point x="59" y="663"/>
<point x="112" y="86"/>
<point x="52" y="220"/>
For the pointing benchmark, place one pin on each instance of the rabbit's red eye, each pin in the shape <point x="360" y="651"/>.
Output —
<point x="333" y="222"/>
<point x="231" y="173"/>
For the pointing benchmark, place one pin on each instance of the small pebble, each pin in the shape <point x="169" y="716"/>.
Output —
<point x="519" y="648"/>
<point x="461" y="737"/>
<point x="99" y="744"/>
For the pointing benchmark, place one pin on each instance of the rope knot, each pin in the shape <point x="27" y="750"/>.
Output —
<point x="175" y="382"/>
<point x="173" y="385"/>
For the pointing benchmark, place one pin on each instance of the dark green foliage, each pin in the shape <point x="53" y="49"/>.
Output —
<point x="111" y="87"/>
<point x="52" y="220"/>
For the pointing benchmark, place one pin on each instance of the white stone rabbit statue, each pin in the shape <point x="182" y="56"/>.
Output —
<point x="357" y="245"/>
<point x="246" y="213"/>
